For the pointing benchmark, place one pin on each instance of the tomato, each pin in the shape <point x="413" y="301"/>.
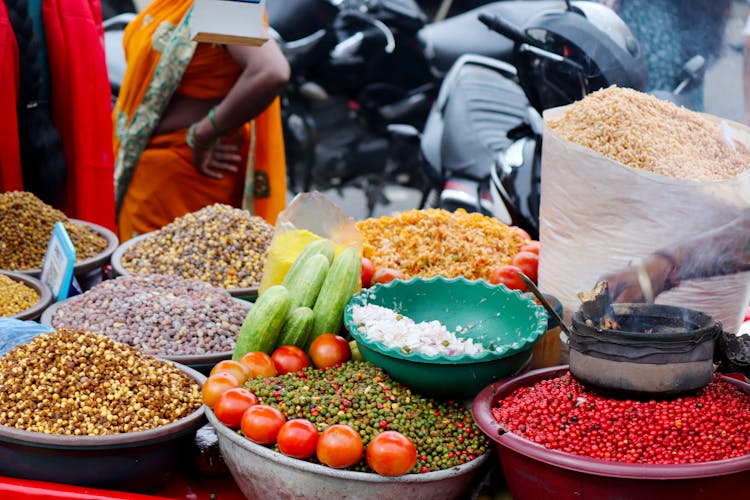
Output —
<point x="289" y="358"/>
<point x="328" y="350"/>
<point x="298" y="438"/>
<point x="528" y="262"/>
<point x="508" y="276"/>
<point x="261" y="423"/>
<point x="532" y="246"/>
<point x="520" y="232"/>
<point x="260" y="364"/>
<point x="339" y="446"/>
<point x="367" y="270"/>
<point x="240" y="371"/>
<point x="386" y="275"/>
<point x="390" y="453"/>
<point x="232" y="404"/>
<point x="215" y="385"/>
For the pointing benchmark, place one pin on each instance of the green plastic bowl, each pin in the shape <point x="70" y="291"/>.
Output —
<point x="507" y="320"/>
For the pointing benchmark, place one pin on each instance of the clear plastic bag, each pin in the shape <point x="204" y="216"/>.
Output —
<point x="14" y="332"/>
<point x="310" y="216"/>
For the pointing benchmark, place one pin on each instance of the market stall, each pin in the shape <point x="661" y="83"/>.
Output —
<point x="325" y="357"/>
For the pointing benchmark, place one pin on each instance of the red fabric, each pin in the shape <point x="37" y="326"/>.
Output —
<point x="10" y="155"/>
<point x="81" y="107"/>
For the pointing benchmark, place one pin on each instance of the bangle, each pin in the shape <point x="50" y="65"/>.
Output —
<point x="212" y="120"/>
<point x="673" y="277"/>
<point x="193" y="143"/>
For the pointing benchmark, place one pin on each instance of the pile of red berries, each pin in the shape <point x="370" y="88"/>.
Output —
<point x="561" y="414"/>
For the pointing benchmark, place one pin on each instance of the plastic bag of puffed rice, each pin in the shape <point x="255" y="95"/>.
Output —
<point x="598" y="215"/>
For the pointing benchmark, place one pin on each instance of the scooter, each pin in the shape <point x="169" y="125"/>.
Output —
<point x="559" y="57"/>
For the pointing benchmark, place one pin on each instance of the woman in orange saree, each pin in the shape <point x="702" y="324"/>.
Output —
<point x="195" y="124"/>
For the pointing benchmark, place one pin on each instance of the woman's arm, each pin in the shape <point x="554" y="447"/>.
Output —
<point x="265" y="71"/>
<point x="725" y="250"/>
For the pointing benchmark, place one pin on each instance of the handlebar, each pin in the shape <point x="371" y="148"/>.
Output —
<point x="390" y="39"/>
<point x="505" y="28"/>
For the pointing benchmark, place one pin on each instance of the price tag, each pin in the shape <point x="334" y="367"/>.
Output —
<point x="57" y="270"/>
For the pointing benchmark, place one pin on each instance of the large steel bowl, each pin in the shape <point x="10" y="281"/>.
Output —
<point x="135" y="461"/>
<point x="45" y="296"/>
<point x="88" y="272"/>
<point x="533" y="471"/>
<point x="263" y="473"/>
<point x="246" y="293"/>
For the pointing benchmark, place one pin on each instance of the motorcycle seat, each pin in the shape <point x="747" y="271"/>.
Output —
<point x="445" y="41"/>
<point x="482" y="108"/>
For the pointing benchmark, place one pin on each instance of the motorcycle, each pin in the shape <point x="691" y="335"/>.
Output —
<point x="365" y="73"/>
<point x="560" y="55"/>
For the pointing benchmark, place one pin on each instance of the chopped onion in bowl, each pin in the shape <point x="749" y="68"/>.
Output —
<point x="431" y="338"/>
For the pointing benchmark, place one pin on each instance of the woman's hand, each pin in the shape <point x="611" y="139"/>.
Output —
<point x="221" y="158"/>
<point x="625" y="286"/>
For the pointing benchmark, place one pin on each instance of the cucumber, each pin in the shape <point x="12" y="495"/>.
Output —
<point x="337" y="290"/>
<point x="305" y="285"/>
<point x="263" y="322"/>
<point x="317" y="247"/>
<point x="297" y="327"/>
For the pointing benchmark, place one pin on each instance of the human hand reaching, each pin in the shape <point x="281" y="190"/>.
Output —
<point x="643" y="282"/>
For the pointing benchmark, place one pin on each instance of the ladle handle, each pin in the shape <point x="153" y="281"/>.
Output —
<point x="551" y="310"/>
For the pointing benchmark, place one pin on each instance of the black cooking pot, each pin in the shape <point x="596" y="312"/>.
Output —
<point x="659" y="349"/>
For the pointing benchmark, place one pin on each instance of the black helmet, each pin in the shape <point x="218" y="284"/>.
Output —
<point x="597" y="49"/>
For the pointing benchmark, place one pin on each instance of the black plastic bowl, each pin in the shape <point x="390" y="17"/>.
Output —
<point x="135" y="461"/>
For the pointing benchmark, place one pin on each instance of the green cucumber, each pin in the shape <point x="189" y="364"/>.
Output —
<point x="306" y="284"/>
<point x="297" y="327"/>
<point x="262" y="325"/>
<point x="317" y="247"/>
<point x="338" y="288"/>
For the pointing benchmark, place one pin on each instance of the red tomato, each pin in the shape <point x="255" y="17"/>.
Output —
<point x="240" y="371"/>
<point x="520" y="232"/>
<point x="386" y="275"/>
<point x="390" y="453"/>
<point x="298" y="438"/>
<point x="532" y="246"/>
<point x="232" y="404"/>
<point x="328" y="350"/>
<point x="260" y="364"/>
<point x="339" y="446"/>
<point x="215" y="385"/>
<point x="261" y="423"/>
<point x="367" y="270"/>
<point x="528" y="262"/>
<point x="289" y="358"/>
<point x="508" y="276"/>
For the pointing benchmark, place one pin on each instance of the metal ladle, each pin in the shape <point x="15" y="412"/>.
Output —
<point x="551" y="310"/>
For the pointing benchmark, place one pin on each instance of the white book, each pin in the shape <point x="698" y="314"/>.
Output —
<point x="229" y="22"/>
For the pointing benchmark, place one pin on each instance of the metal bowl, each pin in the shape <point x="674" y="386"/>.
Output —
<point x="45" y="296"/>
<point x="660" y="350"/>
<point x="136" y="461"/>
<point x="492" y="314"/>
<point x="261" y="472"/>
<point x="88" y="272"/>
<point x="200" y="362"/>
<point x="246" y="293"/>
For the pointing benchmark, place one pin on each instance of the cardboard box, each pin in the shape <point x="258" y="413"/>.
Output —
<point x="229" y="22"/>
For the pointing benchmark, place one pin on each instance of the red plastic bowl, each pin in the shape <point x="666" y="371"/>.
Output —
<point x="533" y="471"/>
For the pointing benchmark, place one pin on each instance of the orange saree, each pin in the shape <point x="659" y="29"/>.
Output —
<point x="156" y="180"/>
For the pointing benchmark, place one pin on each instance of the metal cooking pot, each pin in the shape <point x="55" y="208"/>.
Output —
<point x="659" y="349"/>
